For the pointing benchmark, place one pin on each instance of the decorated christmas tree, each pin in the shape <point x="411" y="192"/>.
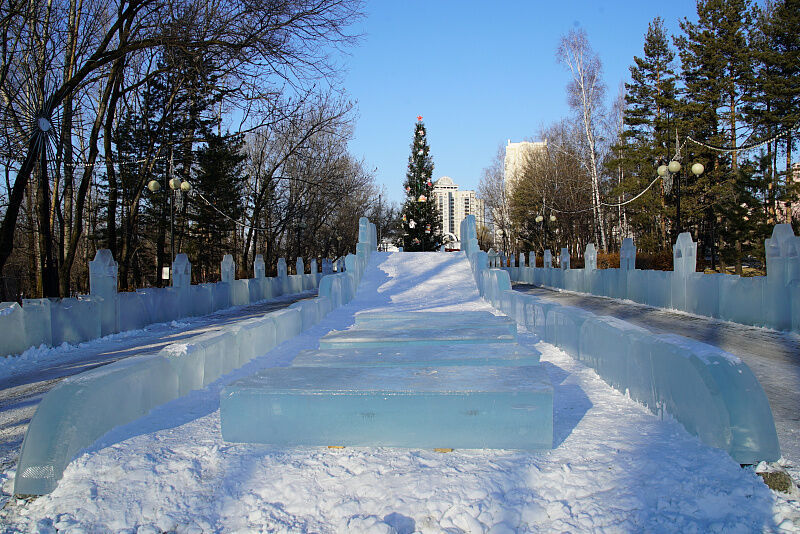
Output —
<point x="421" y="220"/>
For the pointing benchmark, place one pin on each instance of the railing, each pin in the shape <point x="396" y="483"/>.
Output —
<point x="712" y="393"/>
<point x="771" y="301"/>
<point x="104" y="311"/>
<point x="82" y="408"/>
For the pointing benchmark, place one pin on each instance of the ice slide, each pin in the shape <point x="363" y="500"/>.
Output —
<point x="407" y="373"/>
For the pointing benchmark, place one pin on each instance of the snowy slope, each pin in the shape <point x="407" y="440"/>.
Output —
<point x="614" y="467"/>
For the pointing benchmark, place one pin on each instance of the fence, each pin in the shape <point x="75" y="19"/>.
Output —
<point x="105" y="311"/>
<point x="771" y="301"/>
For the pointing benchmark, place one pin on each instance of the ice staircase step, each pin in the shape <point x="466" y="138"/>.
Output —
<point x="407" y="320"/>
<point x="421" y="407"/>
<point x="429" y="335"/>
<point x="497" y="354"/>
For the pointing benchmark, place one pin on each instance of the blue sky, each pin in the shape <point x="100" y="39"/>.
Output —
<point x="479" y="73"/>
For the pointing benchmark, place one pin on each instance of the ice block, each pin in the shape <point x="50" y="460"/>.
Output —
<point x="399" y="321"/>
<point x="458" y="406"/>
<point x="605" y="345"/>
<point x="564" y="326"/>
<point x="82" y="408"/>
<point x="497" y="354"/>
<point x="431" y="335"/>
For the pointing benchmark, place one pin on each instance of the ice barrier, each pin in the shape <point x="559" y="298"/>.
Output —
<point x="443" y="406"/>
<point x="104" y="311"/>
<point x="712" y="393"/>
<point x="414" y="379"/>
<point x="84" y="407"/>
<point x="772" y="301"/>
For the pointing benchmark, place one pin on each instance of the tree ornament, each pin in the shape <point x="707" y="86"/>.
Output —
<point x="430" y="184"/>
<point x="428" y="229"/>
<point x="404" y="218"/>
<point x="412" y="224"/>
<point x="422" y="198"/>
<point x="408" y="189"/>
<point x="419" y="117"/>
<point x="420" y="152"/>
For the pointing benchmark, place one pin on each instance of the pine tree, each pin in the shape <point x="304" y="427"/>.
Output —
<point x="778" y="93"/>
<point x="717" y="69"/>
<point x="220" y="179"/>
<point x="421" y="221"/>
<point x="648" y="120"/>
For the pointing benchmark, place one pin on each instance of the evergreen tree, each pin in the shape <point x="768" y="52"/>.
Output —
<point x="421" y="220"/>
<point x="220" y="179"/>
<point x="776" y="100"/>
<point x="648" y="120"/>
<point x="717" y="68"/>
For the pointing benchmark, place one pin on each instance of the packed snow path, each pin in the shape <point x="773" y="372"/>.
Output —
<point x="614" y="467"/>
<point x="774" y="357"/>
<point x="25" y="379"/>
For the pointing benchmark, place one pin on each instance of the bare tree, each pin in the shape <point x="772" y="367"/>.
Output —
<point x="548" y="207"/>
<point x="492" y="189"/>
<point x="60" y="48"/>
<point x="585" y="95"/>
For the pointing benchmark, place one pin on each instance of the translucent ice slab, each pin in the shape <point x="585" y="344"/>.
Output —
<point x="459" y="406"/>
<point x="84" y="407"/>
<point x="359" y="338"/>
<point x="497" y="354"/>
<point x="563" y="327"/>
<point x="711" y="392"/>
<point x="605" y="345"/>
<point x="399" y="321"/>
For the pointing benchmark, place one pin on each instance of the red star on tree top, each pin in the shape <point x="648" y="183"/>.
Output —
<point x="419" y="117"/>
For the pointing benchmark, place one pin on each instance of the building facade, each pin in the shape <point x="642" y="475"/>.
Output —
<point x="514" y="163"/>
<point x="516" y="158"/>
<point x="454" y="206"/>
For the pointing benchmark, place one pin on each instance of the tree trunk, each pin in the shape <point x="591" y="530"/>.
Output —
<point x="111" y="213"/>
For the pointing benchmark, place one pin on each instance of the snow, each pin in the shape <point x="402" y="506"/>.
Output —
<point x="614" y="465"/>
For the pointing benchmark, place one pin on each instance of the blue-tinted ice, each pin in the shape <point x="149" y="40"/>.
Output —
<point x="414" y="379"/>
<point x="417" y="336"/>
<point x="423" y="328"/>
<point x="496" y="354"/>
<point x="454" y="406"/>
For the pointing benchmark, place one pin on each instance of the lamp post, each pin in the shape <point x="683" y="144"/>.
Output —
<point x="543" y="227"/>
<point x="670" y="175"/>
<point x="177" y="187"/>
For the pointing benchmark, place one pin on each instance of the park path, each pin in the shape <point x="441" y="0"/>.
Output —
<point x="774" y="357"/>
<point x="24" y="383"/>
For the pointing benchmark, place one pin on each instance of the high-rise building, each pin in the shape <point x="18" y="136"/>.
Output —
<point x="516" y="158"/>
<point x="454" y="206"/>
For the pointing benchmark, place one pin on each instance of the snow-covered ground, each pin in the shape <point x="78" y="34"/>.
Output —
<point x="615" y="467"/>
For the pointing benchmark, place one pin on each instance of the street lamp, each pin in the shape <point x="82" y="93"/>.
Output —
<point x="178" y="187"/>
<point x="670" y="174"/>
<point x="540" y="219"/>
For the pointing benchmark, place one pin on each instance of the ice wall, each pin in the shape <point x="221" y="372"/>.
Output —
<point x="82" y="408"/>
<point x="105" y="311"/>
<point x="771" y="301"/>
<point x="713" y="394"/>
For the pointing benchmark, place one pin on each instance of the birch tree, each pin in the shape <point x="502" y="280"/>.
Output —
<point x="585" y="93"/>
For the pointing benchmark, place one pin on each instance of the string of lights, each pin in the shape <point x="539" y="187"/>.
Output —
<point x="757" y="144"/>
<point x="239" y="223"/>
<point x="677" y="156"/>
